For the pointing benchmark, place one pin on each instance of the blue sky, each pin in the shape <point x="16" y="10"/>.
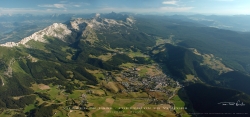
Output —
<point x="222" y="7"/>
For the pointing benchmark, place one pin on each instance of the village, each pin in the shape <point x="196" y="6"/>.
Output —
<point x="131" y="80"/>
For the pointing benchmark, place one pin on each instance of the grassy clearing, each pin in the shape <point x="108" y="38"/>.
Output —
<point x="65" y="48"/>
<point x="138" y="95"/>
<point x="37" y="88"/>
<point x="179" y="103"/>
<point x="16" y="68"/>
<point x="70" y="73"/>
<point x="121" y="102"/>
<point x="143" y="72"/>
<point x="155" y="51"/>
<point x="133" y="54"/>
<point x="60" y="113"/>
<point x="69" y="57"/>
<point x="99" y="76"/>
<point x="129" y="104"/>
<point x="105" y="57"/>
<point x="69" y="52"/>
<point x="97" y="113"/>
<point x="190" y="77"/>
<point x="127" y="65"/>
<point x="43" y="86"/>
<point x="110" y="100"/>
<point x="97" y="73"/>
<point x="157" y="111"/>
<point x="160" y="41"/>
<point x="213" y="62"/>
<point x="39" y="100"/>
<point x="170" y="40"/>
<point x="29" y="107"/>
<point x="148" y="70"/>
<point x="76" y="94"/>
<point x="37" y="45"/>
<point x="7" y="113"/>
<point x="111" y="86"/>
<point x="53" y="92"/>
<point x="76" y="113"/>
<point x="98" y="92"/>
<point x="100" y="101"/>
<point x="154" y="113"/>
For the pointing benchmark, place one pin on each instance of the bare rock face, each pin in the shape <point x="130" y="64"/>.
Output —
<point x="76" y="24"/>
<point x="98" y="23"/>
<point x="10" y="44"/>
<point x="57" y="30"/>
<point x="84" y="26"/>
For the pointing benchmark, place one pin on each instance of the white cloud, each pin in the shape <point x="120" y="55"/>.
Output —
<point x="46" y="5"/>
<point x="145" y="10"/>
<point x="49" y="10"/>
<point x="176" y="9"/>
<point x="64" y="6"/>
<point x="241" y="10"/>
<point x="30" y="10"/>
<point x="77" y="5"/>
<point x="53" y="6"/>
<point x="59" y="5"/>
<point x="171" y="2"/>
<point x="18" y="10"/>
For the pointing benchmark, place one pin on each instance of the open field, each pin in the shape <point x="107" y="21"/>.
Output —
<point x="106" y="98"/>
<point x="213" y="62"/>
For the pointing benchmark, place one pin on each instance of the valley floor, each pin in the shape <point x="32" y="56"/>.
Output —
<point x="137" y="90"/>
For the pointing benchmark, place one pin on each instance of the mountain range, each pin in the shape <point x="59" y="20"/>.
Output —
<point x="112" y="63"/>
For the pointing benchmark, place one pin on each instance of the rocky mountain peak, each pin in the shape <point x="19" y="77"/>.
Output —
<point x="97" y="15"/>
<point x="99" y="22"/>
<point x="57" y="30"/>
<point x="60" y="31"/>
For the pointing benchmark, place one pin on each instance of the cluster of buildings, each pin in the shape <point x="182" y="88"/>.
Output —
<point x="133" y="82"/>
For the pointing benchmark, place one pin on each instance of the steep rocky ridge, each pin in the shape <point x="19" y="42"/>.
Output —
<point x="61" y="31"/>
<point x="57" y="30"/>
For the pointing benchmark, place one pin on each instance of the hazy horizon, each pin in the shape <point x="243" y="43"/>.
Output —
<point x="205" y="7"/>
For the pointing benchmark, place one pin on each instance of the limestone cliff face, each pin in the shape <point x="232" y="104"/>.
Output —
<point x="57" y="30"/>
<point x="79" y="25"/>
<point x="97" y="23"/>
